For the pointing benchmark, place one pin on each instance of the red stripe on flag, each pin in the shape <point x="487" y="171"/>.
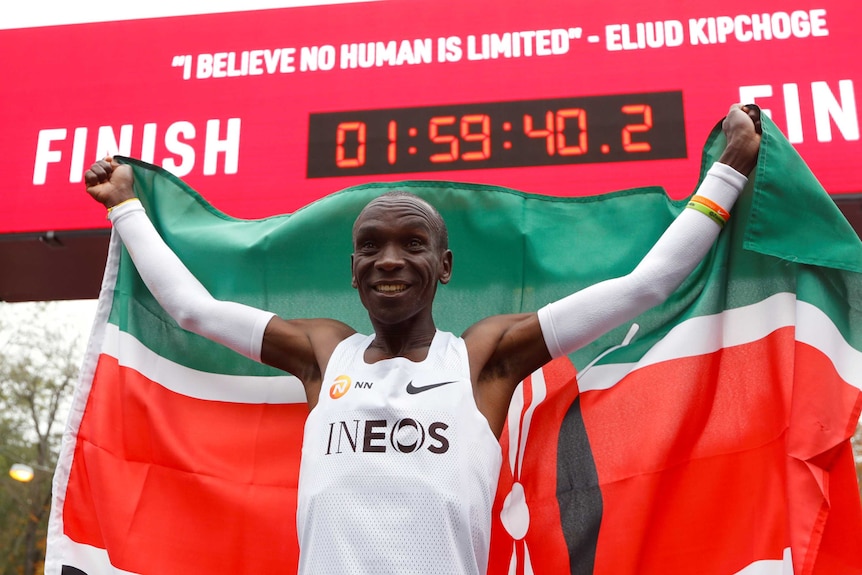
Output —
<point x="692" y="455"/>
<point x="713" y="515"/>
<point x="824" y="415"/>
<point x="672" y="412"/>
<point x="219" y="477"/>
<point x="840" y="550"/>
<point x="544" y="540"/>
<point x="696" y="466"/>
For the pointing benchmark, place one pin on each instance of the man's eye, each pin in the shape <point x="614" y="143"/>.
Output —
<point x="414" y="243"/>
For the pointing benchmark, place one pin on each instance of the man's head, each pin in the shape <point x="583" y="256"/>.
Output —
<point x="430" y="212"/>
<point x="400" y="253"/>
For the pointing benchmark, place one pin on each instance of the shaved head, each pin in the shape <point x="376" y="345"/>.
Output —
<point x="429" y="212"/>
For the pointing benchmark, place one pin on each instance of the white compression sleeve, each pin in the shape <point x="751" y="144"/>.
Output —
<point x="576" y="320"/>
<point x="234" y="325"/>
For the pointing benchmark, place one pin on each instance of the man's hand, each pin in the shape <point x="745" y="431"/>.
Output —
<point x="742" y="129"/>
<point x="110" y="183"/>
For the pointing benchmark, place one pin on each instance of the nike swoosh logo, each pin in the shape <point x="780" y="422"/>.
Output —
<point x="413" y="390"/>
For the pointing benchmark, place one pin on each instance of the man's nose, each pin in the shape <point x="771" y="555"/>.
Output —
<point x="390" y="257"/>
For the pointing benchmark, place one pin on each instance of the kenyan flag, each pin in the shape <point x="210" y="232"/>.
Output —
<point x="710" y="436"/>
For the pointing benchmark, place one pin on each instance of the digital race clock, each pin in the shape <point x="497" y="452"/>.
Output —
<point x="590" y="129"/>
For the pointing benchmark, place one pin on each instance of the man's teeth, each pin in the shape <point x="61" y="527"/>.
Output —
<point x="391" y="288"/>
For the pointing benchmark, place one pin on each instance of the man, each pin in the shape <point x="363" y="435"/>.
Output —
<point x="412" y="492"/>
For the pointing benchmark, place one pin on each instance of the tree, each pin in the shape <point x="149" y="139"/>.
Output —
<point x="40" y="354"/>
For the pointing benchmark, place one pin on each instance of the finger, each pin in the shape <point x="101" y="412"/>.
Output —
<point x="753" y="111"/>
<point x="100" y="172"/>
<point x="734" y="108"/>
<point x="90" y="178"/>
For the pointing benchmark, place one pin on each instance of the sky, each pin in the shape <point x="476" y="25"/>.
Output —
<point x="78" y="315"/>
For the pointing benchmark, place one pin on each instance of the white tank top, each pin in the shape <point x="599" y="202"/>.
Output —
<point x="398" y="468"/>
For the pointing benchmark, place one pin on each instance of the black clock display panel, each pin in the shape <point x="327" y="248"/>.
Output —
<point x="590" y="129"/>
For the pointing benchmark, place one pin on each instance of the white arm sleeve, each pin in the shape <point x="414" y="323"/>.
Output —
<point x="576" y="320"/>
<point x="234" y="325"/>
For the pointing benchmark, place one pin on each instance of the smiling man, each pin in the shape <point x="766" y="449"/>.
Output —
<point x="400" y="456"/>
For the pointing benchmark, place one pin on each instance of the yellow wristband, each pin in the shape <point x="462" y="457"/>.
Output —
<point x="121" y="203"/>
<point x="725" y="215"/>
<point x="713" y="215"/>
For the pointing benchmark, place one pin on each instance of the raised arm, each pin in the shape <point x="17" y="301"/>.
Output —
<point x="234" y="325"/>
<point x="580" y="318"/>
<point x="258" y="334"/>
<point x="505" y="349"/>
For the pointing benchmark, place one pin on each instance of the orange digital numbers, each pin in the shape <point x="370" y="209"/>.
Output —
<point x="554" y="131"/>
<point x="601" y="128"/>
<point x="466" y="133"/>
<point x="341" y="159"/>
<point x="392" y="148"/>
<point x="563" y="148"/>
<point x="645" y="126"/>
<point x="547" y="132"/>
<point x="435" y="136"/>
<point x="484" y="136"/>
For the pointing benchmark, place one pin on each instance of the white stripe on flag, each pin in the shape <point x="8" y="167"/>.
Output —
<point x="91" y="560"/>
<point x="817" y="330"/>
<point x="56" y="534"/>
<point x="783" y="566"/>
<point x="708" y="334"/>
<point x="131" y="353"/>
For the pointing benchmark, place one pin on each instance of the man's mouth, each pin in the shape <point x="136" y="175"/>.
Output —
<point x="390" y="288"/>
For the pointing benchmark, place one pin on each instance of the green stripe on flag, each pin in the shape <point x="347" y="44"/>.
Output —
<point x="513" y="252"/>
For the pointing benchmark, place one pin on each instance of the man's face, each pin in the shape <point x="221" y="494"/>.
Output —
<point x="397" y="258"/>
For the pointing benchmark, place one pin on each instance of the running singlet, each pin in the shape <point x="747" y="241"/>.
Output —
<point x="398" y="468"/>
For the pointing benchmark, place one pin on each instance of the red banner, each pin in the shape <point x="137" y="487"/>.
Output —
<point x="266" y="111"/>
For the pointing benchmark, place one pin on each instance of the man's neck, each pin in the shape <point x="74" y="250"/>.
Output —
<point x="410" y="340"/>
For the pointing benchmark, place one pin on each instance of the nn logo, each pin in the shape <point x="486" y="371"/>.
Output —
<point x="342" y="385"/>
<point x="406" y="435"/>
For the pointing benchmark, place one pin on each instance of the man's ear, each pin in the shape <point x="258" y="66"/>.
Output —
<point x="446" y="267"/>
<point x="352" y="275"/>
